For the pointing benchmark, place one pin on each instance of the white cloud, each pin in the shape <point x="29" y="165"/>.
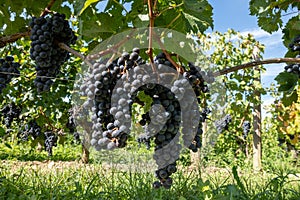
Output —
<point x="264" y="37"/>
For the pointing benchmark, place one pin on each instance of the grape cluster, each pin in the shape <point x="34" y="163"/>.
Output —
<point x="111" y="87"/>
<point x="99" y="88"/>
<point x="30" y="129"/>
<point x="9" y="113"/>
<point x="295" y="47"/>
<point x="50" y="141"/>
<point x="246" y="129"/>
<point x="46" y="33"/>
<point x="72" y="126"/>
<point x="144" y="138"/>
<point x="166" y="119"/>
<point x="8" y="70"/>
<point x="223" y="123"/>
<point x="197" y="141"/>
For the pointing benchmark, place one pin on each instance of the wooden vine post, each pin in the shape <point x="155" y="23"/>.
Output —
<point x="257" y="146"/>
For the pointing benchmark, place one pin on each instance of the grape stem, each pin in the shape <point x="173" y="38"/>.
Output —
<point x="69" y="49"/>
<point x="179" y="68"/>
<point x="255" y="63"/>
<point x="74" y="52"/>
<point x="48" y="8"/>
<point x="111" y="49"/>
<point x="151" y="25"/>
<point x="48" y="120"/>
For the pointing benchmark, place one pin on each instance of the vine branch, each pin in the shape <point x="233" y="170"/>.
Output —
<point x="256" y="63"/>
<point x="4" y="40"/>
<point x="178" y="68"/>
<point x="70" y="50"/>
<point x="48" y="8"/>
<point x="111" y="49"/>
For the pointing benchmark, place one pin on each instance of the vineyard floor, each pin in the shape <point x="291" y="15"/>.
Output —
<point x="75" y="180"/>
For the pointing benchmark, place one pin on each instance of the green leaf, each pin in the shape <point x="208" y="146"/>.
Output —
<point x="2" y="132"/>
<point x="78" y="5"/>
<point x="198" y="15"/>
<point x="291" y="30"/>
<point x="268" y="19"/>
<point x="270" y="24"/>
<point x="257" y="6"/>
<point x="146" y="99"/>
<point x="93" y="24"/>
<point x="87" y="4"/>
<point x="238" y="180"/>
<point x="7" y="145"/>
<point x="287" y="81"/>
<point x="288" y="98"/>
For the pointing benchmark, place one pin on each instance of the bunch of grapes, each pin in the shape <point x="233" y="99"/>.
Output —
<point x="111" y="87"/>
<point x="9" y="113"/>
<point x="246" y="128"/>
<point x="30" y="129"/>
<point x="8" y="70"/>
<point x="197" y="141"/>
<point x="294" y="46"/>
<point x="46" y="33"/>
<point x="72" y="126"/>
<point x="50" y="141"/>
<point x="223" y="123"/>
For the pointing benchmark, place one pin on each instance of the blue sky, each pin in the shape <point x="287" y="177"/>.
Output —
<point x="235" y="14"/>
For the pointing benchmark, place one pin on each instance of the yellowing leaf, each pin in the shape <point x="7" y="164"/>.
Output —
<point x="205" y="188"/>
<point x="87" y="4"/>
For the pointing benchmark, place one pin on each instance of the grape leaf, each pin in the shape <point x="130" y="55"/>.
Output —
<point x="291" y="30"/>
<point x="188" y="16"/>
<point x="287" y="81"/>
<point x="257" y="6"/>
<point x="2" y="132"/>
<point x="270" y="23"/>
<point x="288" y="98"/>
<point x="146" y="99"/>
<point x="269" y="19"/>
<point x="198" y="15"/>
<point x="78" y="5"/>
<point x="93" y="24"/>
<point x="87" y="4"/>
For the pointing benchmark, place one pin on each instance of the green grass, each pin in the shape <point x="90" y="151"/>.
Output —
<point x="73" y="180"/>
<point x="129" y="174"/>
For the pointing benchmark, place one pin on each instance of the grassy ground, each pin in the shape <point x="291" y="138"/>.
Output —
<point x="128" y="174"/>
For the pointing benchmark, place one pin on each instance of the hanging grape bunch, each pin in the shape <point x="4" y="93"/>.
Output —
<point x="72" y="126"/>
<point x="8" y="70"/>
<point x="295" y="47"/>
<point x="46" y="33"/>
<point x="112" y="86"/>
<point x="246" y="129"/>
<point x="223" y="123"/>
<point x="50" y="141"/>
<point x="30" y="129"/>
<point x="10" y="112"/>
